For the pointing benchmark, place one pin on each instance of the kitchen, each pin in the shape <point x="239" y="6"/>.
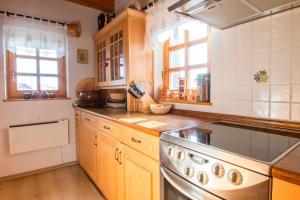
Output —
<point x="138" y="100"/>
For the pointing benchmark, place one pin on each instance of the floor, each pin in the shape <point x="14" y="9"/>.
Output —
<point x="68" y="183"/>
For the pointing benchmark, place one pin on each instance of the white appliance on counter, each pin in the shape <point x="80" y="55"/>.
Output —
<point x="221" y="160"/>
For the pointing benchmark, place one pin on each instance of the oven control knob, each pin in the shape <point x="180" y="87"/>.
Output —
<point x="170" y="151"/>
<point x="218" y="170"/>
<point x="180" y="155"/>
<point x="235" y="177"/>
<point x="202" y="178"/>
<point x="189" y="171"/>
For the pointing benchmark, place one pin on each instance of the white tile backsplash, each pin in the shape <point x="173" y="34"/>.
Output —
<point x="280" y="75"/>
<point x="281" y="21"/>
<point x="281" y="57"/>
<point x="280" y="39"/>
<point x="280" y="93"/>
<point x="295" y="112"/>
<point x="261" y="60"/>
<point x="296" y="75"/>
<point x="280" y="111"/>
<point x="296" y="93"/>
<point x="295" y="56"/>
<point x="260" y="92"/>
<point x="296" y="17"/>
<point x="296" y="37"/>
<point x="262" y="26"/>
<point x="261" y="42"/>
<point x="260" y="109"/>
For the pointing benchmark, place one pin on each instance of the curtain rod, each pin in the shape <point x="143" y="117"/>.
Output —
<point x="31" y="17"/>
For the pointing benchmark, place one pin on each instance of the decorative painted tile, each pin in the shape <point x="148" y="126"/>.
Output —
<point x="261" y="76"/>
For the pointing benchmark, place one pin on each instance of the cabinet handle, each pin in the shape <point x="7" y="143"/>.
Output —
<point x="95" y="141"/>
<point x="136" y="140"/>
<point x="120" y="158"/>
<point x="106" y="127"/>
<point x="87" y="119"/>
<point x="116" y="154"/>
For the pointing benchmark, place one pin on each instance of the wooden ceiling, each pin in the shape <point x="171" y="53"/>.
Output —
<point x="103" y="5"/>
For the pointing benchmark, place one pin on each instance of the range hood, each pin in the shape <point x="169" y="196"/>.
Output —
<point x="223" y="14"/>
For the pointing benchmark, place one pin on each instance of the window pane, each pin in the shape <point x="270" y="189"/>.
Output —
<point x="26" y="83"/>
<point x="26" y="51"/>
<point x="177" y="58"/>
<point x="174" y="79"/>
<point x="48" y="67"/>
<point x="49" y="83"/>
<point x="26" y="65"/>
<point x="193" y="75"/>
<point x="198" y="54"/>
<point x="48" y="53"/>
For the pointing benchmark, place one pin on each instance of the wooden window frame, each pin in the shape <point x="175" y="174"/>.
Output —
<point x="167" y="49"/>
<point x="11" y="75"/>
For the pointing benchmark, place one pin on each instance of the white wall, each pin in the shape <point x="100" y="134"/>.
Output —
<point x="271" y="43"/>
<point x="27" y="112"/>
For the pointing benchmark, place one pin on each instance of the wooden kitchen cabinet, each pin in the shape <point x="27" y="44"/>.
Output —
<point x="107" y="165"/>
<point x="122" y="51"/>
<point x="138" y="175"/>
<point x="88" y="150"/>
<point x="123" y="162"/>
<point x="283" y="190"/>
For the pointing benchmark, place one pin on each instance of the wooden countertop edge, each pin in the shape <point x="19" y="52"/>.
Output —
<point x="134" y="126"/>
<point x="286" y="175"/>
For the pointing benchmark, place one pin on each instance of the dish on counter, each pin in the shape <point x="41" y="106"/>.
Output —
<point x="160" y="109"/>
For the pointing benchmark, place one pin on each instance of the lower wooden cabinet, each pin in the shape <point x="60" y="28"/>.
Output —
<point x="121" y="170"/>
<point x="138" y="175"/>
<point x="283" y="190"/>
<point x="88" y="150"/>
<point x="107" y="165"/>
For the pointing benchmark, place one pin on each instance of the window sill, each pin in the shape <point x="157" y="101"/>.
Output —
<point x="38" y="99"/>
<point x="186" y="102"/>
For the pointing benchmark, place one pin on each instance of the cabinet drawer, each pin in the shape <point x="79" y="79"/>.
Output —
<point x="77" y="114"/>
<point x="109" y="127"/>
<point x="147" y="144"/>
<point x="90" y="120"/>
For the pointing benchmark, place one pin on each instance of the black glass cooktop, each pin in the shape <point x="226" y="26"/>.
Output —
<point x="257" y="143"/>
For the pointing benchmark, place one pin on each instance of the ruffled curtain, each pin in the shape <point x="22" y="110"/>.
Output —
<point x="160" y="20"/>
<point x="26" y="33"/>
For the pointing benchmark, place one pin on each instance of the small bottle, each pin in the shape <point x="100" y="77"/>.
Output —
<point x="181" y="88"/>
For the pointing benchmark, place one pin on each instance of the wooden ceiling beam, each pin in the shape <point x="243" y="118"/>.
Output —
<point x="103" y="5"/>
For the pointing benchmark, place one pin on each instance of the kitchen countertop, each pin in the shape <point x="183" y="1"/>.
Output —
<point x="288" y="168"/>
<point x="164" y="122"/>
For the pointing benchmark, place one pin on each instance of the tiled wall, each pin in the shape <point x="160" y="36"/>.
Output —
<point x="272" y="44"/>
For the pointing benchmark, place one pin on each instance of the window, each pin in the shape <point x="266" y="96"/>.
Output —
<point x="186" y="64"/>
<point x="32" y="66"/>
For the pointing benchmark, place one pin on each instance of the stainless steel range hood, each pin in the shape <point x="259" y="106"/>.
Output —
<point x="223" y="14"/>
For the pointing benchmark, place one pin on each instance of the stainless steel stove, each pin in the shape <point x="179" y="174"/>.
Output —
<point x="221" y="161"/>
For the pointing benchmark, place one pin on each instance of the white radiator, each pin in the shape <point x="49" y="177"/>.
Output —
<point x="30" y="137"/>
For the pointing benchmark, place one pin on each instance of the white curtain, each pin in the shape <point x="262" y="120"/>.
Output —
<point x="34" y="34"/>
<point x="160" y="20"/>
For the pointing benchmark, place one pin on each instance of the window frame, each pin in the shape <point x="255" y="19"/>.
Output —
<point x="11" y="75"/>
<point x="167" y="69"/>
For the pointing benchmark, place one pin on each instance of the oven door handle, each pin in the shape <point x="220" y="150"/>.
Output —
<point x="182" y="186"/>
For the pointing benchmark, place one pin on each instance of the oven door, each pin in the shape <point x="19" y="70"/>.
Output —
<point x="173" y="187"/>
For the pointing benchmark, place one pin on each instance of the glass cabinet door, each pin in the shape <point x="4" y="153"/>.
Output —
<point x="101" y="62"/>
<point x="117" y="65"/>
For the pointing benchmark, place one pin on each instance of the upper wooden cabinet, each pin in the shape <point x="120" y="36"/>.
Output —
<point x="121" y="51"/>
